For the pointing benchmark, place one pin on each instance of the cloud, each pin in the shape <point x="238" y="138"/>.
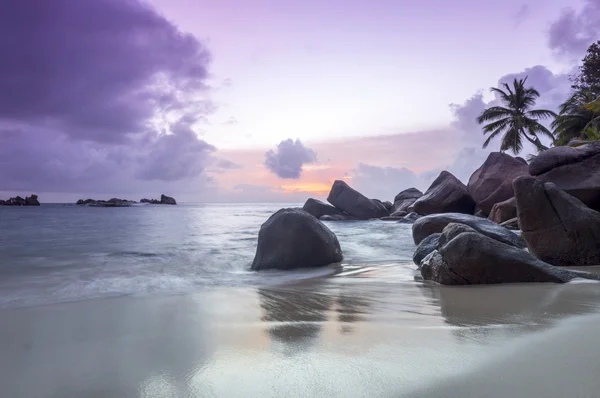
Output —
<point x="383" y="182"/>
<point x="289" y="157"/>
<point x="522" y="14"/>
<point x="572" y="33"/>
<point x="98" y="95"/>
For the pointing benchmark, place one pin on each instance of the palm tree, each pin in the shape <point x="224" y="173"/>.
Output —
<point x="574" y="118"/>
<point x="516" y="119"/>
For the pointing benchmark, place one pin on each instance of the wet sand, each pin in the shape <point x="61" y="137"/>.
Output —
<point x="373" y="333"/>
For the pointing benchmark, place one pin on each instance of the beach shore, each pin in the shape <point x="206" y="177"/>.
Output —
<point x="362" y="334"/>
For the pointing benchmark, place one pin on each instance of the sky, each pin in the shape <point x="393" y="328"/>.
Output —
<point x="246" y="101"/>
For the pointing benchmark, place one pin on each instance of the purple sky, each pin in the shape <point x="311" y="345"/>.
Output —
<point x="264" y="100"/>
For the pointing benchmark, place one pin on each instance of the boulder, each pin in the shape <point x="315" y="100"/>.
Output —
<point x="445" y="195"/>
<point x="354" y="203"/>
<point x="388" y="205"/>
<point x="405" y="199"/>
<point x="426" y="246"/>
<point x="492" y="182"/>
<point x="433" y="223"/>
<point x="410" y="218"/>
<point x="292" y="238"/>
<point x="558" y="228"/>
<point x="317" y="209"/>
<point x="513" y="224"/>
<point x="381" y="204"/>
<point x="504" y="211"/>
<point x="451" y="231"/>
<point x="471" y="258"/>
<point x="32" y="200"/>
<point x="573" y="170"/>
<point x="167" y="200"/>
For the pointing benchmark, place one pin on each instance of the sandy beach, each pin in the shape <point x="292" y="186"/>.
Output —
<point x="367" y="334"/>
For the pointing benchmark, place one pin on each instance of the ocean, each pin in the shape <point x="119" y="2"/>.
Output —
<point x="159" y="301"/>
<point x="57" y="252"/>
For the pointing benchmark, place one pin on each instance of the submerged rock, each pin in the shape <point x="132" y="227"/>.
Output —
<point x="293" y="238"/>
<point x="318" y="209"/>
<point x="337" y="217"/>
<point x="410" y="218"/>
<point x="445" y="195"/>
<point x="433" y="223"/>
<point x="558" y="228"/>
<point x="354" y="203"/>
<point x="492" y="182"/>
<point x="471" y="258"/>
<point x="573" y="170"/>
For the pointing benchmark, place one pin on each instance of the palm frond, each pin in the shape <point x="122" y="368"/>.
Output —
<point x="541" y="114"/>
<point x="493" y="113"/>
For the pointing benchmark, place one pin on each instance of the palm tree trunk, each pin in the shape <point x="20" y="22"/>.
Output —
<point x="536" y="142"/>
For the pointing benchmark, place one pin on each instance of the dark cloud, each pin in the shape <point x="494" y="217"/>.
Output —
<point x="572" y="33"/>
<point x="289" y="157"/>
<point x="88" y="94"/>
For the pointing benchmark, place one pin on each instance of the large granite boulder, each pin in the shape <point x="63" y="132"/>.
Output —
<point x="354" y="203"/>
<point x="405" y="199"/>
<point x="573" y="170"/>
<point x="504" y="211"/>
<point x="318" y="209"/>
<point x="471" y="258"/>
<point x="167" y="200"/>
<point x="292" y="238"/>
<point x="492" y="182"/>
<point x="558" y="228"/>
<point x="445" y="195"/>
<point x="433" y="223"/>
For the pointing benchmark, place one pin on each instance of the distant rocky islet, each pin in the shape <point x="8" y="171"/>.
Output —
<point x="116" y="202"/>
<point x="19" y="201"/>
<point x="466" y="233"/>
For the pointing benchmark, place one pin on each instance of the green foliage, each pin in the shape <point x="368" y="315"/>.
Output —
<point x="33" y="196"/>
<point x="573" y="118"/>
<point x="516" y="120"/>
<point x="588" y="79"/>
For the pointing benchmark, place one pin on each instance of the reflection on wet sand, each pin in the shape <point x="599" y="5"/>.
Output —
<point x="477" y="311"/>
<point x="103" y="348"/>
<point x="296" y="314"/>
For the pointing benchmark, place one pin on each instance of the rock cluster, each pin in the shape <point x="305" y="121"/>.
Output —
<point x="116" y="202"/>
<point x="512" y="222"/>
<point x="19" y="201"/>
